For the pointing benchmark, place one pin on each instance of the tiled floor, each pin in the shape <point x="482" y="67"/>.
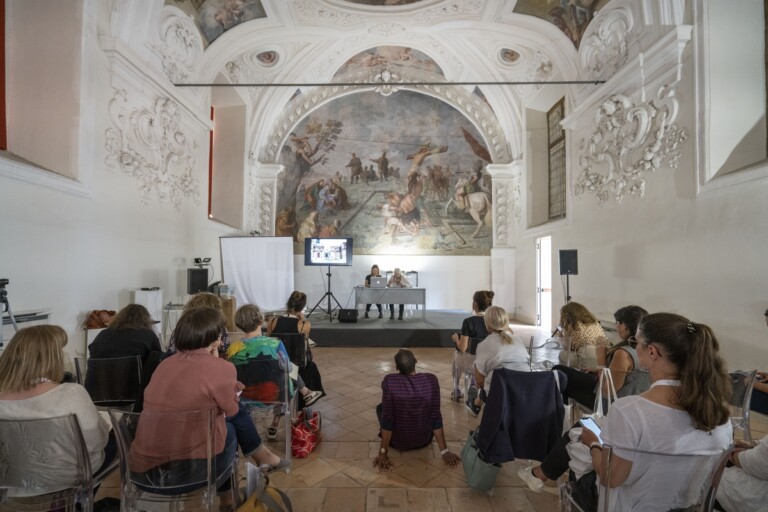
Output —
<point x="339" y="475"/>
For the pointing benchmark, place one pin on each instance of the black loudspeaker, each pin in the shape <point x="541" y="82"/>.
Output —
<point x="348" y="316"/>
<point x="569" y="262"/>
<point x="197" y="280"/>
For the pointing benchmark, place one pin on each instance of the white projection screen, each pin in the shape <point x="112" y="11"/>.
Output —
<point x="260" y="269"/>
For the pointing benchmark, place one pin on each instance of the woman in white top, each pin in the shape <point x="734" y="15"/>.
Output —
<point x="744" y="486"/>
<point x="496" y="351"/>
<point x="31" y="370"/>
<point x="684" y="413"/>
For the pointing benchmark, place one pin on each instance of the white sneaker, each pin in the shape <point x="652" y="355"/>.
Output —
<point x="311" y="343"/>
<point x="526" y="475"/>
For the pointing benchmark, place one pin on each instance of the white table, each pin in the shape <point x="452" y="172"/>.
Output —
<point x="365" y="295"/>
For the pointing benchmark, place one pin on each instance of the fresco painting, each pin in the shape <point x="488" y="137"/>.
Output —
<point x="392" y="57"/>
<point x="570" y="16"/>
<point x="383" y="2"/>
<point x="214" y="17"/>
<point x="402" y="174"/>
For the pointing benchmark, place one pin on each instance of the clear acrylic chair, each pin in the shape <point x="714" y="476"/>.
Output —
<point x="742" y="383"/>
<point x="547" y="344"/>
<point x="699" y="476"/>
<point x="169" y="458"/>
<point x="44" y="465"/>
<point x="111" y="382"/>
<point x="268" y="393"/>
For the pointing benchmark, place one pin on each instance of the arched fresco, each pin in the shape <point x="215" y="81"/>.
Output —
<point x="383" y="2"/>
<point x="570" y="16"/>
<point x="391" y="57"/>
<point x="214" y="17"/>
<point x="402" y="174"/>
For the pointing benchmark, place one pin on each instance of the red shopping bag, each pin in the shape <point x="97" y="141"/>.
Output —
<point x="305" y="433"/>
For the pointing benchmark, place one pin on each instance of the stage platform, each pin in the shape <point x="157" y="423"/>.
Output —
<point x="433" y="331"/>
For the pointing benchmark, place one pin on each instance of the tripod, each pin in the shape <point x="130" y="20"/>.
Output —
<point x="330" y="296"/>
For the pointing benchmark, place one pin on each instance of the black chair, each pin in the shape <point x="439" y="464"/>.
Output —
<point x="114" y="382"/>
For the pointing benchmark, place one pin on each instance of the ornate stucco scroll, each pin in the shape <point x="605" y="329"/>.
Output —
<point x="629" y="142"/>
<point x="148" y="145"/>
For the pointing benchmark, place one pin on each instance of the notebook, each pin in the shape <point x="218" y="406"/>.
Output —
<point x="378" y="282"/>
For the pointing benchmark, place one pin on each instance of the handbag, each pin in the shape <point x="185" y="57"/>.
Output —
<point x="580" y="460"/>
<point x="603" y="403"/>
<point x="99" y="319"/>
<point x="479" y="474"/>
<point x="305" y="433"/>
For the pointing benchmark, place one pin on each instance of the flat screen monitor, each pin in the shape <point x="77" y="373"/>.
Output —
<point x="328" y="251"/>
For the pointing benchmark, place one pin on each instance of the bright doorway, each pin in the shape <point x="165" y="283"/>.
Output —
<point x="544" y="282"/>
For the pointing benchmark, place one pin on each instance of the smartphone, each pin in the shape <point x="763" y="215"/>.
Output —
<point x="591" y="425"/>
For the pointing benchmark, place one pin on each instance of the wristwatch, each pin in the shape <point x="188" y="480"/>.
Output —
<point x="383" y="451"/>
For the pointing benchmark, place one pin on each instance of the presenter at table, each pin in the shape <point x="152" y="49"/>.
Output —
<point x="397" y="280"/>
<point x="374" y="273"/>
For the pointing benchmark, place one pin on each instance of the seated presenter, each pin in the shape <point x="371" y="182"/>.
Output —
<point x="398" y="280"/>
<point x="374" y="273"/>
<point x="409" y="412"/>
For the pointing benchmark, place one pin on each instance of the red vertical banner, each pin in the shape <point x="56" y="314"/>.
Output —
<point x="210" y="165"/>
<point x="3" y="133"/>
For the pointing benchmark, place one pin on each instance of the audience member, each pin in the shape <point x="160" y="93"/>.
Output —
<point x="129" y="334"/>
<point x="31" y="371"/>
<point x="254" y="345"/>
<point x="293" y="322"/>
<point x="498" y="350"/>
<point x="579" y="328"/>
<point x="398" y="280"/>
<point x="196" y="379"/>
<point x="759" y="399"/>
<point x="473" y="331"/>
<point x="409" y="412"/>
<point x="621" y="359"/>
<point x="684" y="412"/>
<point x="204" y="300"/>
<point x="374" y="273"/>
<point x="744" y="486"/>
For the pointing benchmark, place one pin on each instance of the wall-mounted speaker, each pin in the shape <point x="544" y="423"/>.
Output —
<point x="569" y="262"/>
<point x="197" y="280"/>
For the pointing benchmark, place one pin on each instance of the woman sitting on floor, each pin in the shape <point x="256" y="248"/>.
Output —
<point x="473" y="331"/>
<point x="31" y="371"/>
<point x="255" y="346"/>
<point x="580" y="329"/>
<point x="196" y="379"/>
<point x="621" y="359"/>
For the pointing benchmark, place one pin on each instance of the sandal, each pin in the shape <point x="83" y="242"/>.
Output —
<point x="283" y="464"/>
<point x="272" y="433"/>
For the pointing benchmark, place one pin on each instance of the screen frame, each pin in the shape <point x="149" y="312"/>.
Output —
<point x="308" y="252"/>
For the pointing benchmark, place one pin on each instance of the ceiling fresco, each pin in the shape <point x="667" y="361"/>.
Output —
<point x="570" y="16"/>
<point x="391" y="57"/>
<point x="402" y="174"/>
<point x="214" y="17"/>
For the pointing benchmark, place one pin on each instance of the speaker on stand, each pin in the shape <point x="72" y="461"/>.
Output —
<point x="569" y="265"/>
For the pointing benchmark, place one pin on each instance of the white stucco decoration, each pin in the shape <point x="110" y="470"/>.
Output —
<point x="629" y="141"/>
<point x="604" y="48"/>
<point x="312" y="10"/>
<point x="147" y="144"/>
<point x="181" y="45"/>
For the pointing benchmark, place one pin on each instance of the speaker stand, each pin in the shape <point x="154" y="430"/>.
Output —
<point x="329" y="295"/>
<point x="567" y="288"/>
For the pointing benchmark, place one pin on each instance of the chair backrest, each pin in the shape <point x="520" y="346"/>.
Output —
<point x="684" y="482"/>
<point x="166" y="453"/>
<point x="266" y="380"/>
<point x="742" y="383"/>
<point x="113" y="381"/>
<point x="40" y="456"/>
<point x="296" y="346"/>
<point x="538" y="344"/>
